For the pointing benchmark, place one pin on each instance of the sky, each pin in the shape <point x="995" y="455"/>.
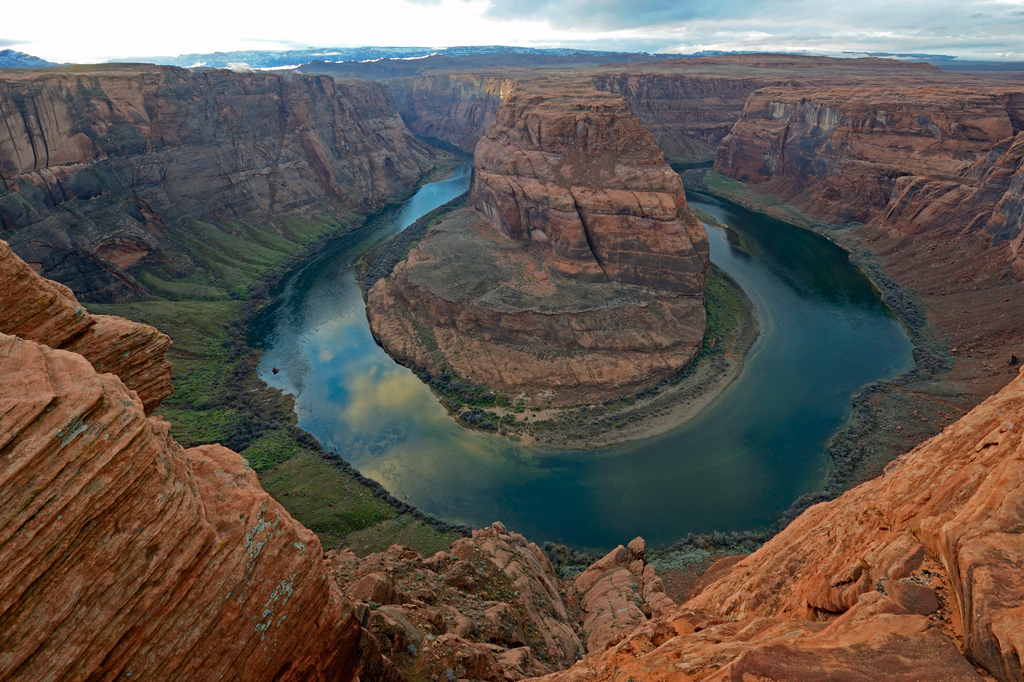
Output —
<point x="109" y="29"/>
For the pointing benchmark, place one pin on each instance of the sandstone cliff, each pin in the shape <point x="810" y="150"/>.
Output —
<point x="573" y="169"/>
<point x="836" y="152"/>
<point x="987" y="198"/>
<point x="103" y="168"/>
<point x="914" y="575"/>
<point x="590" y="283"/>
<point x="124" y="554"/>
<point x="456" y="108"/>
<point x="40" y="310"/>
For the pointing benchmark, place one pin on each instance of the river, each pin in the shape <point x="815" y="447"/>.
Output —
<point x="824" y="333"/>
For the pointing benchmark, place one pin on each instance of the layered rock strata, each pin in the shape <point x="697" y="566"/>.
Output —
<point x="574" y="170"/>
<point x="495" y="312"/>
<point x="101" y="170"/>
<point x="456" y="108"/>
<point x="583" y="281"/>
<point x="125" y="555"/>
<point x="987" y="199"/>
<point x="837" y="152"/>
<point x="38" y="309"/>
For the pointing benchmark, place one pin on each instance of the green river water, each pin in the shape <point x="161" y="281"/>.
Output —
<point x="824" y="333"/>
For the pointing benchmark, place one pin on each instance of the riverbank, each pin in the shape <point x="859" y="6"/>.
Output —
<point x="892" y="416"/>
<point x="219" y="398"/>
<point x="655" y="410"/>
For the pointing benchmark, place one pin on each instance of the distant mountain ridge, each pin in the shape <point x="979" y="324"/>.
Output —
<point x="263" y="59"/>
<point x="12" y="59"/>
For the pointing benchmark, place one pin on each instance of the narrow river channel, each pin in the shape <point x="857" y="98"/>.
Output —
<point x="737" y="465"/>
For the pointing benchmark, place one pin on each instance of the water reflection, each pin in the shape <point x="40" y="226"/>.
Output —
<point x="737" y="465"/>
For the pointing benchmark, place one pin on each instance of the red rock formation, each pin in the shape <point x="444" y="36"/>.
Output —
<point x="125" y="555"/>
<point x="619" y="593"/>
<point x="836" y="152"/>
<point x="958" y="498"/>
<point x="489" y="608"/>
<point x="572" y="168"/>
<point x="101" y="170"/>
<point x="498" y="313"/>
<point x="987" y="198"/>
<point x="40" y="310"/>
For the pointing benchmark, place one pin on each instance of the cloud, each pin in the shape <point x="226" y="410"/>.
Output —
<point x="7" y="42"/>
<point x="961" y="27"/>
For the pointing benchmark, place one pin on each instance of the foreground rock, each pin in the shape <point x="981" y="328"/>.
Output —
<point x="38" y="309"/>
<point x="918" y="574"/>
<point x="488" y="609"/>
<point x="584" y="280"/>
<point x="125" y="555"/>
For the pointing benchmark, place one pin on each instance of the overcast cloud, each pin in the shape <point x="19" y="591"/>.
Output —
<point x="970" y="29"/>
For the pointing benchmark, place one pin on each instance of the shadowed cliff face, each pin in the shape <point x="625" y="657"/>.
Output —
<point x="455" y="108"/>
<point x="101" y="168"/>
<point x="837" y="152"/>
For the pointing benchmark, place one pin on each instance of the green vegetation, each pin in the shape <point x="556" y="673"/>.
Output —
<point x="338" y="507"/>
<point x="205" y="293"/>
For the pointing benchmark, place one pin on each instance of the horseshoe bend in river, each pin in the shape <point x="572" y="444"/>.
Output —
<point x="824" y="333"/>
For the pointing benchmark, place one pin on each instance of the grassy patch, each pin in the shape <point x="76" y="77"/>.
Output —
<point x="339" y="509"/>
<point x="218" y="398"/>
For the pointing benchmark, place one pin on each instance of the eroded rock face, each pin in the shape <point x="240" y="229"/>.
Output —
<point x="124" y="554"/>
<point x="488" y="609"/>
<point x="988" y="198"/>
<point x="957" y="498"/>
<point x="573" y="169"/>
<point x="498" y="313"/>
<point x="591" y="285"/>
<point x="101" y="171"/>
<point x="456" y="108"/>
<point x="837" y="151"/>
<point x="38" y="309"/>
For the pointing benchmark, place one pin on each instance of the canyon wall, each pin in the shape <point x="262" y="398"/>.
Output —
<point x="102" y="168"/>
<point x="456" y="108"/>
<point x="124" y="554"/>
<point x="837" y="152"/>
<point x="986" y="199"/>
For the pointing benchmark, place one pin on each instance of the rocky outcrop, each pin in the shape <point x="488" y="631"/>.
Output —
<point x="590" y="287"/>
<point x="497" y="313"/>
<point x="987" y="198"/>
<point x="837" y="152"/>
<point x="957" y="499"/>
<point x="102" y="170"/>
<point x="125" y="555"/>
<point x="487" y="609"/>
<point x="920" y="568"/>
<point x="574" y="170"/>
<point x="35" y="308"/>
<point x="619" y="593"/>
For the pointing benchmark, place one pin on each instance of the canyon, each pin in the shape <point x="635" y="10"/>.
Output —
<point x="130" y="554"/>
<point x="117" y="179"/>
<point x="586" y="281"/>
